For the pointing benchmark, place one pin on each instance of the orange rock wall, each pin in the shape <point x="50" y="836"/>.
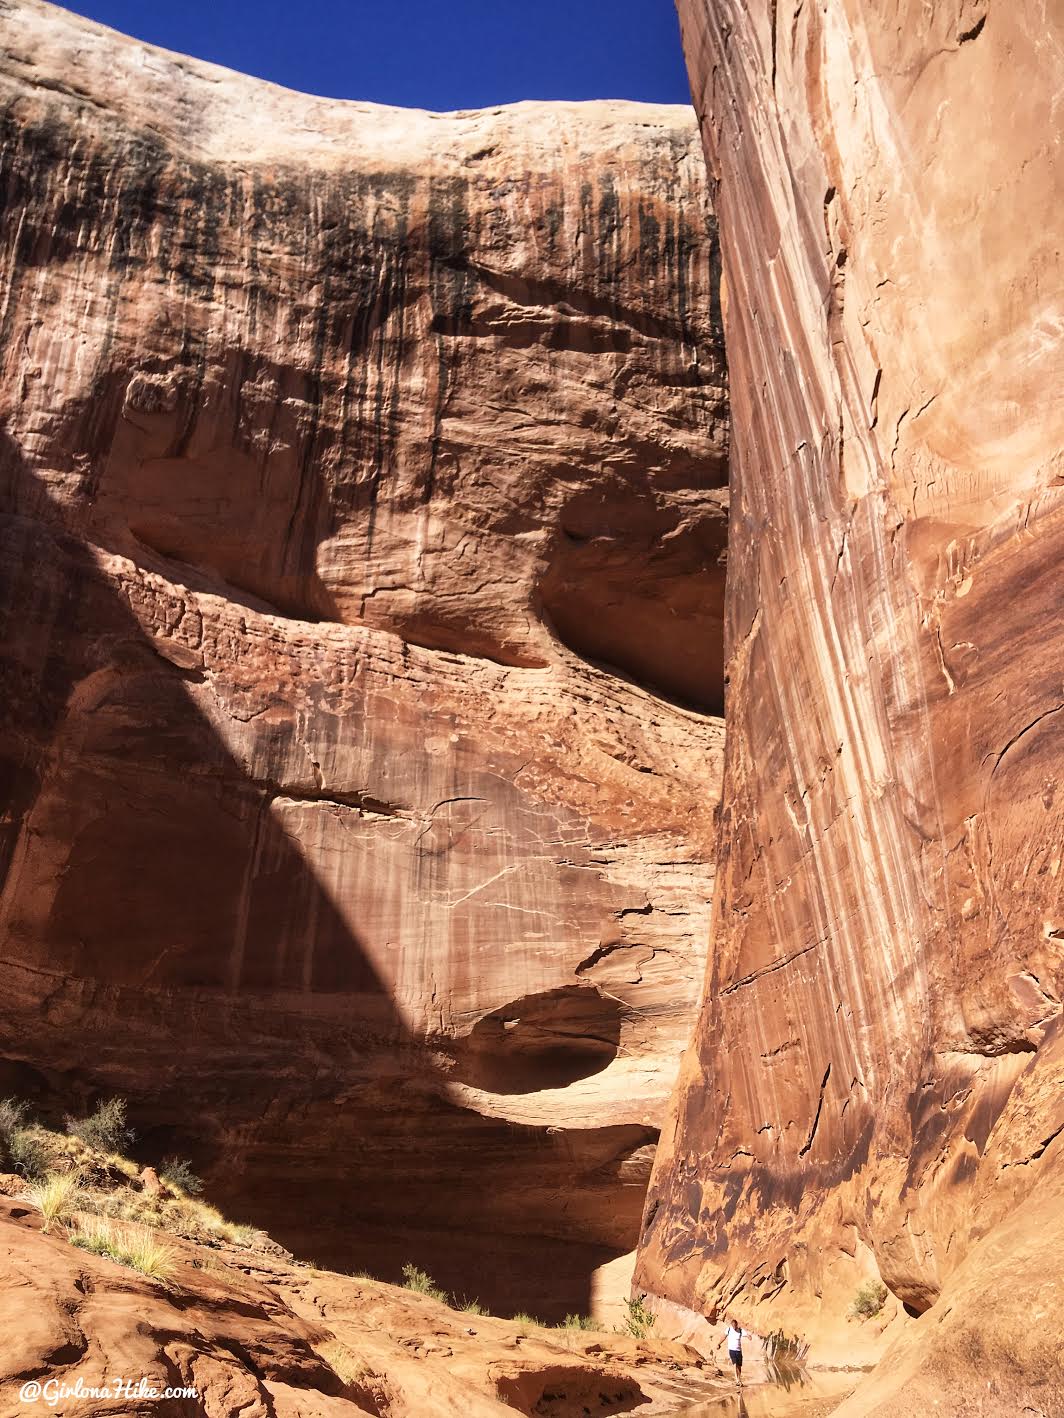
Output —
<point x="363" y="492"/>
<point x="875" y="1082"/>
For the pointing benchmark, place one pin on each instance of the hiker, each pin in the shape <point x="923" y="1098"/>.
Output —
<point x="734" y="1335"/>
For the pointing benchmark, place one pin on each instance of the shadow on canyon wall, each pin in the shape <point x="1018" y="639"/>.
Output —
<point x="164" y="939"/>
<point x="166" y="932"/>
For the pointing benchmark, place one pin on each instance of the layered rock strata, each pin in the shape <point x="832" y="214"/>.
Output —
<point x="361" y="570"/>
<point x="875" y="1086"/>
<point x="241" y="1331"/>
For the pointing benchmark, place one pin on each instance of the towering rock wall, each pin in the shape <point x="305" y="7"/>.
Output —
<point x="875" y="1084"/>
<point x="363" y="494"/>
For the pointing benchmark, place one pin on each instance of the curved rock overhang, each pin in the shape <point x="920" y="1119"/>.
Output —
<point x="363" y="507"/>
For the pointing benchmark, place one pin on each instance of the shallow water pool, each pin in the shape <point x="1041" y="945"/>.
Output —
<point x="787" y="1393"/>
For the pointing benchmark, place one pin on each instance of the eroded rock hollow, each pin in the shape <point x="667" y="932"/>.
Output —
<point x="361" y="572"/>
<point x="875" y="1088"/>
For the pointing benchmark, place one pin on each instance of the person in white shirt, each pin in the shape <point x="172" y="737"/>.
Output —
<point x="734" y="1335"/>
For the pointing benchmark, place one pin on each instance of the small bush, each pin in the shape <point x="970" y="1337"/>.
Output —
<point x="177" y="1173"/>
<point x="29" y="1155"/>
<point x="12" y="1117"/>
<point x="23" y="1148"/>
<point x="578" y="1322"/>
<point x="56" y="1197"/>
<point x="105" y="1130"/>
<point x="179" y="1215"/>
<point x="869" y="1300"/>
<point x="422" y="1283"/>
<point x="639" y="1320"/>
<point x="135" y="1246"/>
<point x="472" y="1307"/>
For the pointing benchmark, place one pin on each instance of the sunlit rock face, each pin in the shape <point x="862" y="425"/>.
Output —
<point x="362" y="556"/>
<point x="875" y="1084"/>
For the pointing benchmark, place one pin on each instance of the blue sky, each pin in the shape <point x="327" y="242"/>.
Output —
<point x="439" y="54"/>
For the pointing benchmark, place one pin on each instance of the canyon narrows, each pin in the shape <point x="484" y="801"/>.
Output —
<point x="364" y="516"/>
<point x="364" y="504"/>
<point x="876" y="1086"/>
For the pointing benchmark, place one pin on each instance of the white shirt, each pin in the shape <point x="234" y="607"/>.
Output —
<point x="735" y="1340"/>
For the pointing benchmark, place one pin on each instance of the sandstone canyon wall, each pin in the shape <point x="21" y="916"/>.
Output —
<point x="875" y="1086"/>
<point x="361" y="579"/>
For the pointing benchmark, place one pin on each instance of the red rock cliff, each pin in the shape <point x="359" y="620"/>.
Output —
<point x="875" y="1086"/>
<point x="363" y="494"/>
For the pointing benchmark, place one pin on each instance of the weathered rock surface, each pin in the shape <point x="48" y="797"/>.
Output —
<point x="361" y="566"/>
<point x="876" y="1081"/>
<point x="257" y="1336"/>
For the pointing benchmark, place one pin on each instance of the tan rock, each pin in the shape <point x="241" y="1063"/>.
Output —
<point x="341" y="447"/>
<point x="257" y="1335"/>
<point x="149" y="1181"/>
<point x="875" y="1086"/>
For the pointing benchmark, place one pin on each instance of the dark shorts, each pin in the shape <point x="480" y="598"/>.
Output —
<point x="736" y="1356"/>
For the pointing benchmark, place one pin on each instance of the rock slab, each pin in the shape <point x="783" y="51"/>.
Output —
<point x="363" y="498"/>
<point x="875" y="1085"/>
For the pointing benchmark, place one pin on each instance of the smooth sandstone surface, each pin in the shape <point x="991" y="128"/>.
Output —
<point x="259" y="1336"/>
<point x="875" y="1088"/>
<point x="364" y="495"/>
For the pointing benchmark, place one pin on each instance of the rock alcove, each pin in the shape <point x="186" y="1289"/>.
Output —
<point x="362" y="506"/>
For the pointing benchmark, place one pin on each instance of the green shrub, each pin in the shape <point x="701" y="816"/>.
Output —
<point x="472" y="1307"/>
<point x="177" y="1173"/>
<point x="639" y="1320"/>
<point x="422" y="1283"/>
<point x="23" y="1148"/>
<point x="578" y="1322"/>
<point x="29" y="1155"/>
<point x="105" y="1130"/>
<point x="869" y="1300"/>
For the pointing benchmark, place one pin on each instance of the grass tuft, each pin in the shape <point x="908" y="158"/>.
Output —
<point x="82" y="1170"/>
<point x="422" y="1283"/>
<point x="347" y="1367"/>
<point x="55" y="1197"/>
<point x="135" y="1246"/>
<point x="578" y="1322"/>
